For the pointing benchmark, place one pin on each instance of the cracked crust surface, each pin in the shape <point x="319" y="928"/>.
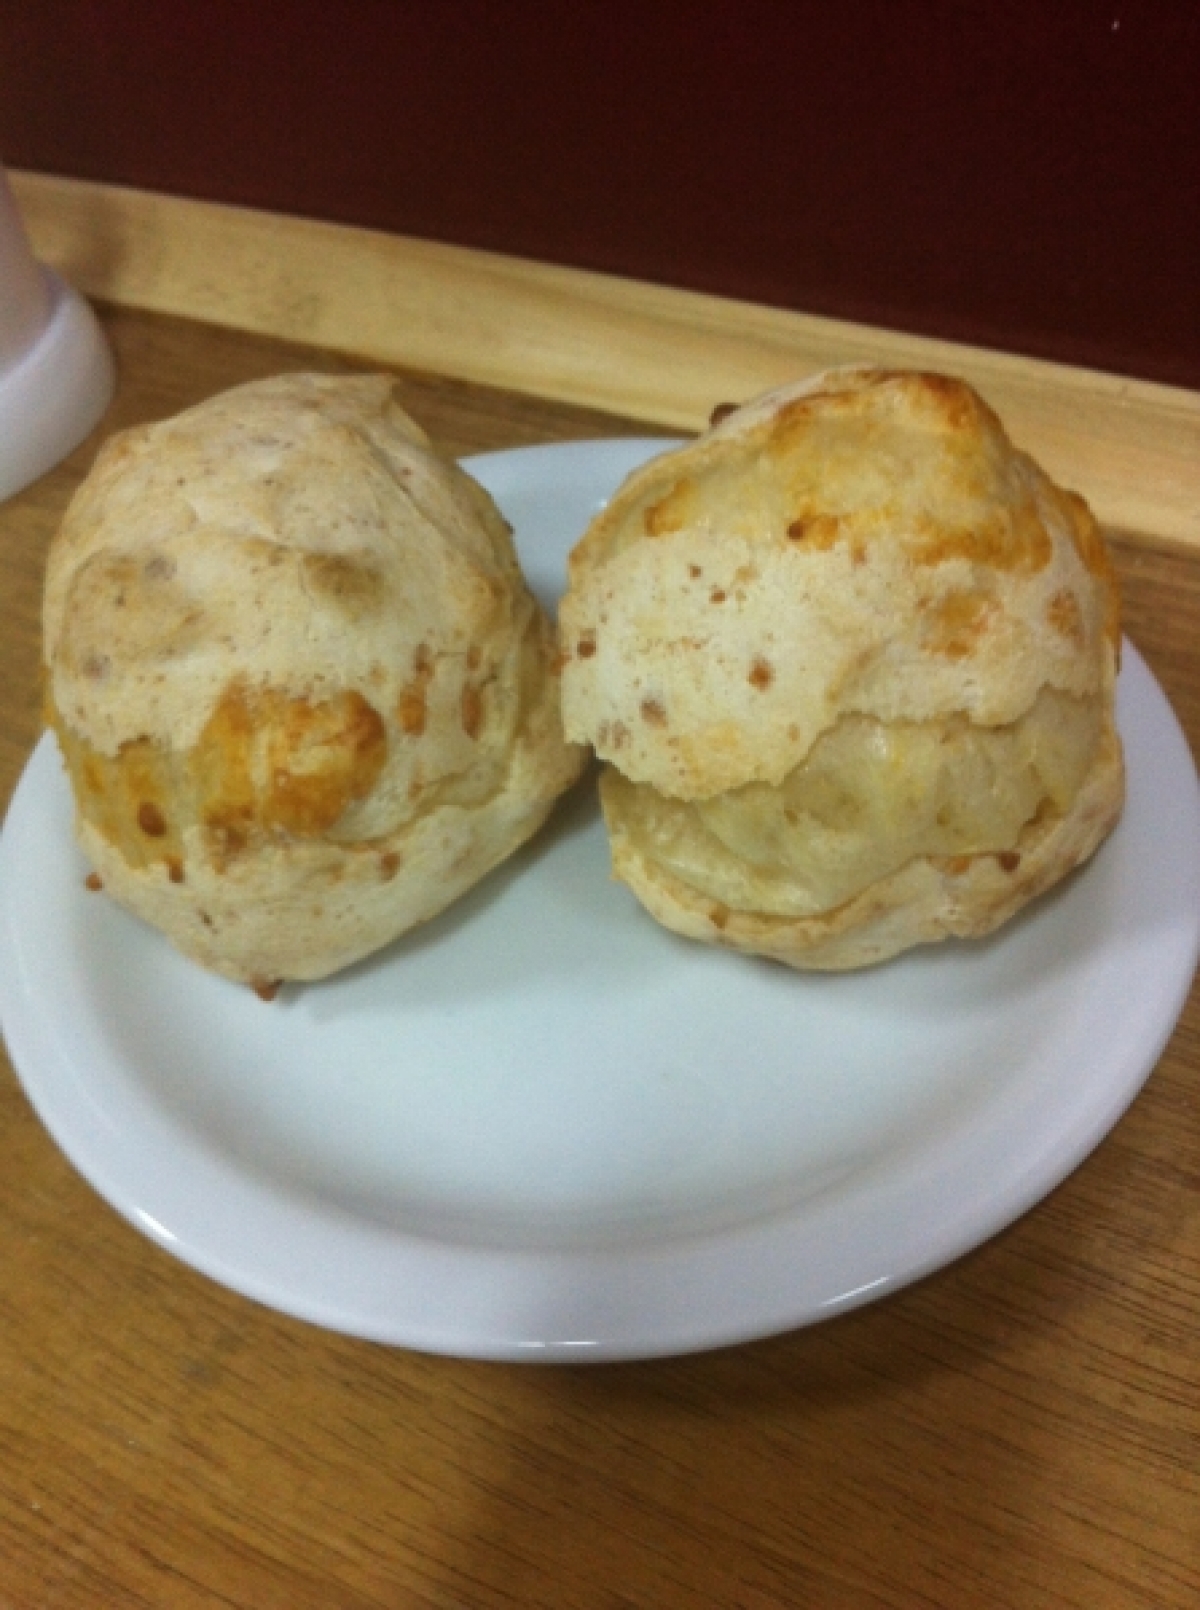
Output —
<point x="304" y="694"/>
<point x="849" y="599"/>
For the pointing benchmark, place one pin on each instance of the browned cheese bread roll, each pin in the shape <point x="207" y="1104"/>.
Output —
<point x="304" y="695"/>
<point x="849" y="658"/>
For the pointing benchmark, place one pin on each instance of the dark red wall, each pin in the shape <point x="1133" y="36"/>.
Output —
<point x="1025" y="175"/>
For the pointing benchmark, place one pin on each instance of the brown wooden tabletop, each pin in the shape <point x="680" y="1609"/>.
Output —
<point x="1021" y="1429"/>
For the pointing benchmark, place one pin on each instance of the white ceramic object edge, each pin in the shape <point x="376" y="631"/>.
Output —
<point x="56" y="390"/>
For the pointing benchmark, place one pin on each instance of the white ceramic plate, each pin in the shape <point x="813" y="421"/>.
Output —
<point x="542" y="1127"/>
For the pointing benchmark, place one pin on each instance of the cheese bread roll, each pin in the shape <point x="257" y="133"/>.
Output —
<point x="849" y="658"/>
<point x="304" y="694"/>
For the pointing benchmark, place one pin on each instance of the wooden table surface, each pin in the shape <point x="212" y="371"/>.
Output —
<point x="1019" y="1430"/>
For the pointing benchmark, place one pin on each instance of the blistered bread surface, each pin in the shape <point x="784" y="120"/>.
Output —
<point x="304" y="693"/>
<point x="841" y="654"/>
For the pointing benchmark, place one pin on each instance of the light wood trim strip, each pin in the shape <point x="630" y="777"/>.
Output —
<point x="646" y="351"/>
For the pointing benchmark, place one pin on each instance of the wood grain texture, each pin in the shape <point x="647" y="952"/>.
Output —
<point x="1018" y="1432"/>
<point x="646" y="351"/>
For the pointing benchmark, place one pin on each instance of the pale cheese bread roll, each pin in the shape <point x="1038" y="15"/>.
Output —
<point x="304" y="694"/>
<point x="849" y="658"/>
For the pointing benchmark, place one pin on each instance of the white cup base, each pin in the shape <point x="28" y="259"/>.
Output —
<point x="55" y="392"/>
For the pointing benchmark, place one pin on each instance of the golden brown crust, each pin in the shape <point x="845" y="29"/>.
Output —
<point x="866" y="547"/>
<point x="866" y="541"/>
<point x="303" y="692"/>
